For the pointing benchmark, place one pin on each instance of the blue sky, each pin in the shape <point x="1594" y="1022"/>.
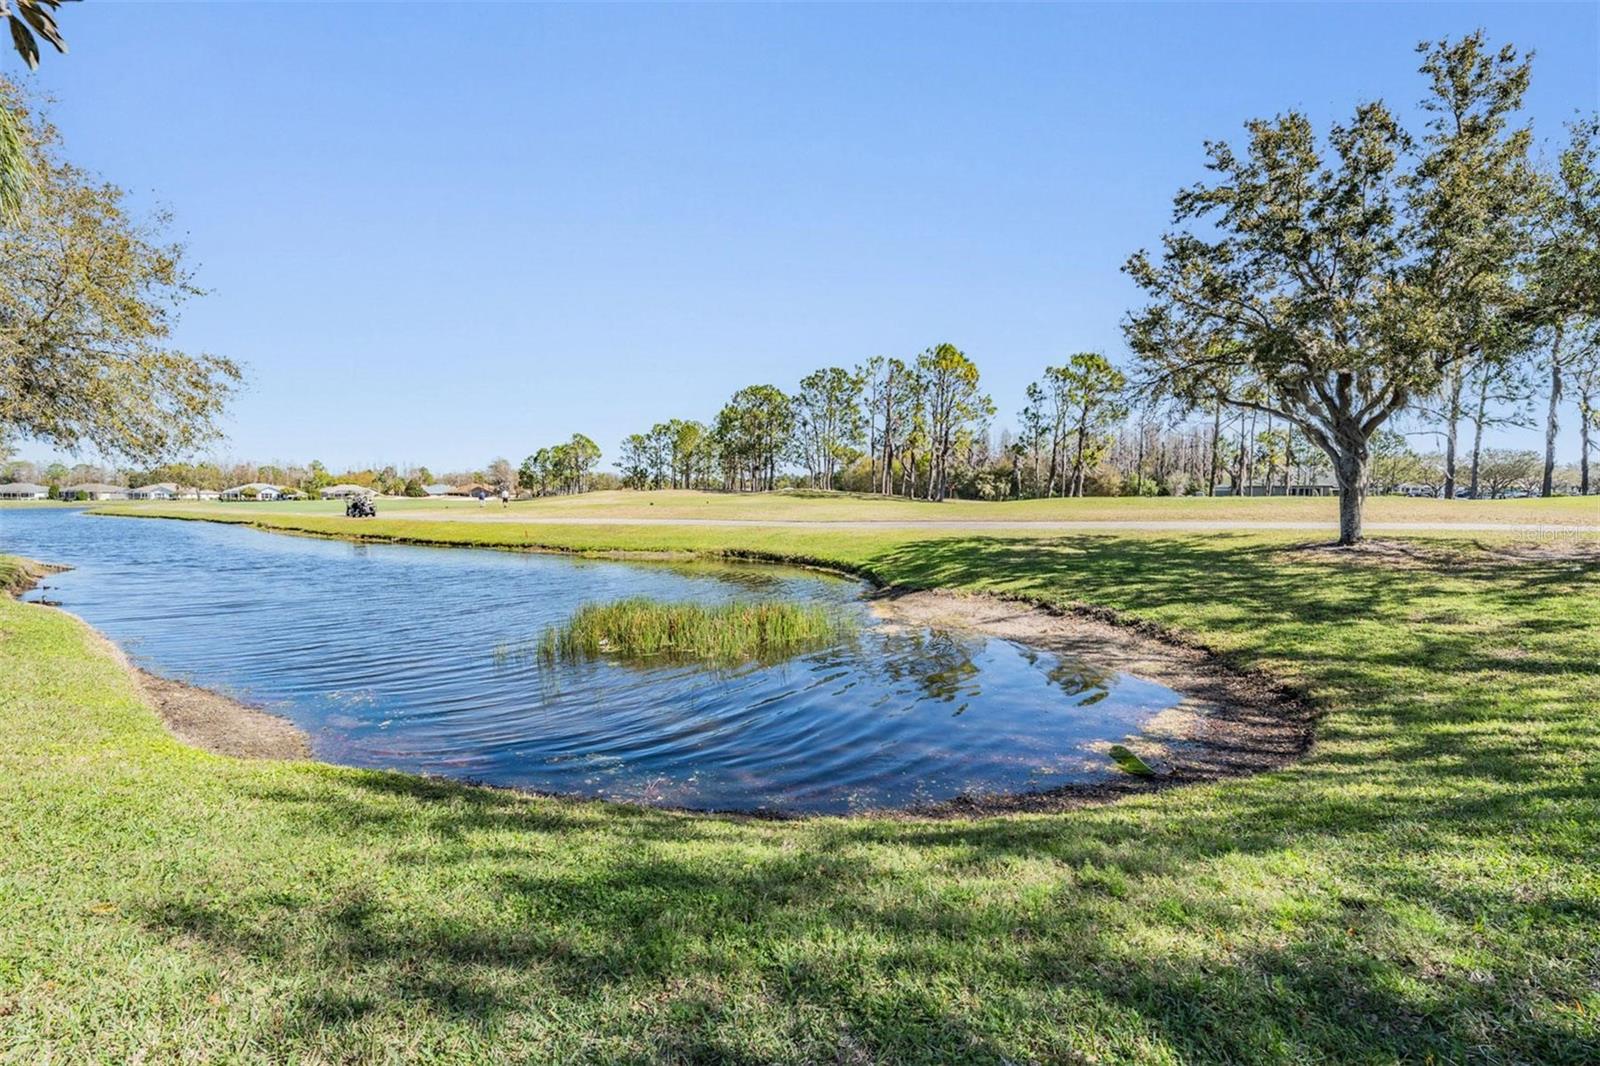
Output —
<point x="440" y="233"/>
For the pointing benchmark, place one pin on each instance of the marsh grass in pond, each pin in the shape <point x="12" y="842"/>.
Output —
<point x="649" y="632"/>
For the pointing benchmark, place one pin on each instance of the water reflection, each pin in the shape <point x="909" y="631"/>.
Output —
<point x="1084" y="685"/>
<point x="940" y="664"/>
<point x="408" y="658"/>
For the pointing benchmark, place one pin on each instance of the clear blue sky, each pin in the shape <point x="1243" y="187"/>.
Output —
<point x="441" y="233"/>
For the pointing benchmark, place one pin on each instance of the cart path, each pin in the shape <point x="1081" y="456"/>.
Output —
<point x="1178" y="525"/>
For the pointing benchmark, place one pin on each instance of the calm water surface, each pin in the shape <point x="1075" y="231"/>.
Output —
<point x="412" y="659"/>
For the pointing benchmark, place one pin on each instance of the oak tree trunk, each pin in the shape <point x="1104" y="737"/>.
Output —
<point x="1350" y="450"/>
<point x="1586" y="413"/>
<point x="1352" y="478"/>
<point x="1552" y="423"/>
<point x="1477" y="434"/>
<point x="1452" y="420"/>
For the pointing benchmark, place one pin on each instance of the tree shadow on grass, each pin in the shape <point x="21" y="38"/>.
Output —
<point x="1125" y="931"/>
<point x="821" y="926"/>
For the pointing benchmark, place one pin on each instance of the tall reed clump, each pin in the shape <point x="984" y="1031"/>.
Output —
<point x="641" y="630"/>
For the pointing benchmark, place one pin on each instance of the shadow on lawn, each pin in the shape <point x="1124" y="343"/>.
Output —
<point x="818" y="926"/>
<point x="675" y="936"/>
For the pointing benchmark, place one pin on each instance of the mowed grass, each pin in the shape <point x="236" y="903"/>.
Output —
<point x="802" y="506"/>
<point x="1422" y="888"/>
<point x="724" y="634"/>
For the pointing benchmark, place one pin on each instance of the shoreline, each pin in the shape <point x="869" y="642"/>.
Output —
<point x="1230" y="723"/>
<point x="199" y="717"/>
<point x="213" y="722"/>
<point x="802" y="562"/>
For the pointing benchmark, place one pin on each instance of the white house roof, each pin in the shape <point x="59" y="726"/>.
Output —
<point x="257" y="485"/>
<point x="23" y="486"/>
<point x="349" y="488"/>
<point x="160" y="486"/>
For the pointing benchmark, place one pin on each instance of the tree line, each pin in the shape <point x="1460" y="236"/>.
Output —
<point x="215" y="476"/>
<point x="1320" y="294"/>
<point x="918" y="425"/>
<point x="1337" y="287"/>
<point x="919" y="428"/>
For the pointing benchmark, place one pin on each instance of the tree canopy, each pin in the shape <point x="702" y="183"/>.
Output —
<point x="88" y="298"/>
<point x="754" y="429"/>
<point x="1320" y="280"/>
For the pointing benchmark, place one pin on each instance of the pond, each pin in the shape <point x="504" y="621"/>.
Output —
<point x="410" y="658"/>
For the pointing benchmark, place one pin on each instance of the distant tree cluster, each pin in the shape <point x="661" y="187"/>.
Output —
<point x="918" y="428"/>
<point x="559" y="469"/>
<point x="676" y="454"/>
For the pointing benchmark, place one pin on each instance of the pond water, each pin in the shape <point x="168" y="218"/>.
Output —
<point x="410" y="658"/>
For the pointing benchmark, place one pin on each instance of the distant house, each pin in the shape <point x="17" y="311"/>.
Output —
<point x="476" y="490"/>
<point x="256" y="490"/>
<point x="93" y="490"/>
<point x="202" y="494"/>
<point x="1413" y="488"/>
<point x="344" y="492"/>
<point x="439" y="489"/>
<point x="1310" y="488"/>
<point x="24" y="490"/>
<point x="161" y="490"/>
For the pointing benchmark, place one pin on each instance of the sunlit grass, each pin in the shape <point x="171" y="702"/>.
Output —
<point x="728" y="634"/>
<point x="1422" y="887"/>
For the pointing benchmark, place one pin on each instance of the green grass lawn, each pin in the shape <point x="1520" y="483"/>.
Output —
<point x="805" y="506"/>
<point x="1424" y="887"/>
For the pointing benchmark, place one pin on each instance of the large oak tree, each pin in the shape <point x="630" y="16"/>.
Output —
<point x="1322" y="279"/>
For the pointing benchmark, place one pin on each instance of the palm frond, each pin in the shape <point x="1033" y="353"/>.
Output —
<point x="16" y="168"/>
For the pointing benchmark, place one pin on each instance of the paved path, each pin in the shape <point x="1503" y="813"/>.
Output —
<point x="1038" y="526"/>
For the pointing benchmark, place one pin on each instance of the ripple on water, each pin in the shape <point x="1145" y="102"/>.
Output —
<point x="393" y="656"/>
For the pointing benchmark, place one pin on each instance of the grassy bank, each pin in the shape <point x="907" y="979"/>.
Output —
<point x="1422" y="888"/>
<point x="15" y="574"/>
<point x="19" y="575"/>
